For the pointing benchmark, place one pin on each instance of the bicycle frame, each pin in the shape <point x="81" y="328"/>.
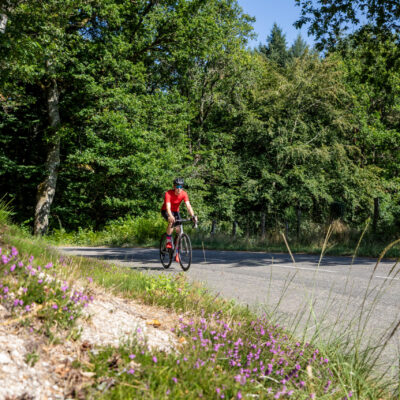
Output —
<point x="180" y="223"/>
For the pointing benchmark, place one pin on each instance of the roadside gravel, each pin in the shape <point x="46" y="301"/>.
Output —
<point x="107" y="320"/>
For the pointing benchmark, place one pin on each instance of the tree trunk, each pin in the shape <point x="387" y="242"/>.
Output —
<point x="47" y="189"/>
<point x="3" y="23"/>
<point x="234" y="228"/>
<point x="263" y="225"/>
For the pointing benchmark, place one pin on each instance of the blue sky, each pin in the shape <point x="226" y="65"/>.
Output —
<point x="266" y="12"/>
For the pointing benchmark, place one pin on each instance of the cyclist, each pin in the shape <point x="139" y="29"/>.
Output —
<point x="170" y="209"/>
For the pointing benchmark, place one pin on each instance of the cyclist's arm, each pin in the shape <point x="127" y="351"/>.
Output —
<point x="189" y="208"/>
<point x="171" y="218"/>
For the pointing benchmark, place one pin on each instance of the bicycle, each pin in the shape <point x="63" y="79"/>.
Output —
<point x="181" y="246"/>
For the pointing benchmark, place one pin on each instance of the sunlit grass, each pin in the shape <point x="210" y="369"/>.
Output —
<point x="329" y="366"/>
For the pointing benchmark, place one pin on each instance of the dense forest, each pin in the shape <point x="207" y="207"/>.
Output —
<point x="104" y="102"/>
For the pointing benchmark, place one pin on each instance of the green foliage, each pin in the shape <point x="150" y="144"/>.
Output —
<point x="299" y="47"/>
<point x="330" y="19"/>
<point x="5" y="211"/>
<point x="276" y="48"/>
<point x="152" y="90"/>
<point x="173" y="289"/>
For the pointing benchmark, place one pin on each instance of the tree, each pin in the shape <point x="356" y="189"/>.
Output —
<point x="299" y="48"/>
<point x="276" y="47"/>
<point x="137" y="84"/>
<point x="328" y="20"/>
<point x="296" y="144"/>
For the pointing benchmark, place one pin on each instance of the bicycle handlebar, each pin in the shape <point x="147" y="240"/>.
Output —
<point x="181" y="221"/>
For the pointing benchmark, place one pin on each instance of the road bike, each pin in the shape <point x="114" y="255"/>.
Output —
<point x="181" y="246"/>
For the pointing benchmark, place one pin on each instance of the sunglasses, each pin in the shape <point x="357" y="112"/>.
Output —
<point x="179" y="186"/>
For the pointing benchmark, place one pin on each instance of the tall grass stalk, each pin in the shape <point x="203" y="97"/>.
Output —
<point x="5" y="211"/>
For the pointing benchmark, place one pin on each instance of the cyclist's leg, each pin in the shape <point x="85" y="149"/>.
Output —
<point x="177" y="216"/>
<point x="169" y="229"/>
<point x="178" y="231"/>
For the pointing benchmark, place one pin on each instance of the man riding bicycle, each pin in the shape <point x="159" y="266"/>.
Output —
<point x="170" y="209"/>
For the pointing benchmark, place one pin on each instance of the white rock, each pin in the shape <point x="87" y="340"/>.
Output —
<point x="5" y="358"/>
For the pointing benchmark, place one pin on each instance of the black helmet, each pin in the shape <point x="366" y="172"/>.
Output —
<point x="179" y="181"/>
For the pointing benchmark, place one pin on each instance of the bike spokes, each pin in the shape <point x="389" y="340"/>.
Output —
<point x="165" y="253"/>
<point x="185" y="252"/>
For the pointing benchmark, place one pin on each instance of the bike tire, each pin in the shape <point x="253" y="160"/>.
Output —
<point x="185" y="251"/>
<point x="165" y="254"/>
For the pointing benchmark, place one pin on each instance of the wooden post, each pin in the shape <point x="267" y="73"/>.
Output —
<point x="298" y="215"/>
<point x="213" y="227"/>
<point x="376" y="214"/>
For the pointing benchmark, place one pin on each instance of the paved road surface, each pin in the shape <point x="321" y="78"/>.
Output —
<point x="270" y="282"/>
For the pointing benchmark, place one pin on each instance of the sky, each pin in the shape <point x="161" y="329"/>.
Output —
<point x="266" y="12"/>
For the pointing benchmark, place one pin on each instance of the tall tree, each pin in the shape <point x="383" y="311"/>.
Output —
<point x="276" y="47"/>
<point x="299" y="47"/>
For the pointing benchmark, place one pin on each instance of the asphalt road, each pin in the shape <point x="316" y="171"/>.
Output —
<point x="334" y="297"/>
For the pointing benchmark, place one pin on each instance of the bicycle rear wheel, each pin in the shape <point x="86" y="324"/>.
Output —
<point x="165" y="254"/>
<point x="185" y="251"/>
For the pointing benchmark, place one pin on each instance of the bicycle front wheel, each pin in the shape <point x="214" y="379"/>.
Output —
<point x="185" y="251"/>
<point x="165" y="254"/>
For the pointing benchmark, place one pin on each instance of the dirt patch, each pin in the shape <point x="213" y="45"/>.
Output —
<point x="30" y="368"/>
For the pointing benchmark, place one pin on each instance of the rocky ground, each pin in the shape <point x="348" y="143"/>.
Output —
<point x="31" y="368"/>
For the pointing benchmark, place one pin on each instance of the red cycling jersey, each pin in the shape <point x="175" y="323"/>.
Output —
<point x="175" y="200"/>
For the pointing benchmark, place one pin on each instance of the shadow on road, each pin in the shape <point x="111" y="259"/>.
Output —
<point x="235" y="259"/>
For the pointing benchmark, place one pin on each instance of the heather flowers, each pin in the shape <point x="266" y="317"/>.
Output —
<point x="29" y="290"/>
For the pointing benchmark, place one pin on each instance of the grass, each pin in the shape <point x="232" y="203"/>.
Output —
<point x="227" y="351"/>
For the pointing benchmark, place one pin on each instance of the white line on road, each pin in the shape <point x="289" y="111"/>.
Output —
<point x="307" y="269"/>
<point x="387" y="277"/>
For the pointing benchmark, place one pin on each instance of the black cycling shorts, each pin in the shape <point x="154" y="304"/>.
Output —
<point x="174" y="213"/>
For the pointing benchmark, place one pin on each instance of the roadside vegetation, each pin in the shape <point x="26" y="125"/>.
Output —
<point x="226" y="350"/>
<point x="146" y="231"/>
